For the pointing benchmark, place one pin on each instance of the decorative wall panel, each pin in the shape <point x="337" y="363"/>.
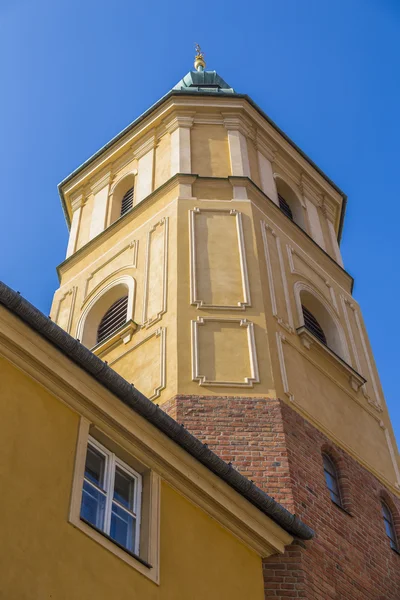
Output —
<point x="146" y="368"/>
<point x="224" y="352"/>
<point x="125" y="257"/>
<point x="65" y="310"/>
<point x="277" y="280"/>
<point x="219" y="278"/>
<point x="307" y="268"/>
<point x="155" y="279"/>
<point x="360" y="351"/>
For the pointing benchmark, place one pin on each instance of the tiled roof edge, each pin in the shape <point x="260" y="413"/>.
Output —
<point x="128" y="394"/>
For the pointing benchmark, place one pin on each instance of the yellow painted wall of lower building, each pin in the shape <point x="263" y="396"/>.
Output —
<point x="43" y="556"/>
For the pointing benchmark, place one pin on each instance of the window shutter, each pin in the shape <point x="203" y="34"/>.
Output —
<point x="113" y="319"/>
<point x="285" y="208"/>
<point x="127" y="202"/>
<point x="311" y="323"/>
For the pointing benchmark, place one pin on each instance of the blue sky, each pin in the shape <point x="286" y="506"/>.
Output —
<point x="73" y="74"/>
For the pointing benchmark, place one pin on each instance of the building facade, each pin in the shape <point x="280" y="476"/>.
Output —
<point x="204" y="267"/>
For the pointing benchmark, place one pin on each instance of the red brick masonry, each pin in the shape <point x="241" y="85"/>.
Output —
<point x="266" y="440"/>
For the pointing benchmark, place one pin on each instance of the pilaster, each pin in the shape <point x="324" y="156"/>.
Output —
<point x="179" y="129"/>
<point x="144" y="152"/>
<point x="100" y="191"/>
<point x="76" y="203"/>
<point x="237" y="142"/>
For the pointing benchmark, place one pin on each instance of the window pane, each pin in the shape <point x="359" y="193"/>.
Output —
<point x="331" y="483"/>
<point x="93" y="505"/>
<point x="94" y="467"/>
<point x="123" y="527"/>
<point x="124" y="489"/>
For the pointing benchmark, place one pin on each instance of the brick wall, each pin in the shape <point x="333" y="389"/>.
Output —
<point x="266" y="440"/>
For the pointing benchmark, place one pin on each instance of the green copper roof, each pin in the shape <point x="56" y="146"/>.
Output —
<point x="203" y="81"/>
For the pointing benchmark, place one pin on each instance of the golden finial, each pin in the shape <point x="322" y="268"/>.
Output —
<point x="199" y="62"/>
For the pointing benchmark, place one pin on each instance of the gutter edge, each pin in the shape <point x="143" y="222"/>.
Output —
<point x="117" y="385"/>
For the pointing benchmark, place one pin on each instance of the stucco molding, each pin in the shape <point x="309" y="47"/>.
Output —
<point x="71" y="292"/>
<point x="102" y="289"/>
<point x="118" y="178"/>
<point x="280" y="340"/>
<point x="102" y="181"/>
<point x="179" y="119"/>
<point x="264" y="145"/>
<point x="288" y="172"/>
<point x="134" y="245"/>
<point x="300" y="286"/>
<point x="148" y="320"/>
<point x="196" y="368"/>
<point x="208" y="119"/>
<point x="160" y="334"/>
<point x="308" y="340"/>
<point x="378" y="402"/>
<point x="236" y="121"/>
<point x="291" y="251"/>
<point x="144" y="145"/>
<point x="288" y="323"/>
<point x="125" y="424"/>
<point x="195" y="300"/>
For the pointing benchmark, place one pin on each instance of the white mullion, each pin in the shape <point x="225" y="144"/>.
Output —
<point x="110" y="493"/>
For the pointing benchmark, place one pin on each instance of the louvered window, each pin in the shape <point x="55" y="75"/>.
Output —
<point x="389" y="526"/>
<point x="127" y="202"/>
<point x="331" y="479"/>
<point x="311" y="323"/>
<point x="113" y="319"/>
<point x="285" y="208"/>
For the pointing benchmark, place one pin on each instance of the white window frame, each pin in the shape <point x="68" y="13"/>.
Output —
<point x="147" y="562"/>
<point x="111" y="463"/>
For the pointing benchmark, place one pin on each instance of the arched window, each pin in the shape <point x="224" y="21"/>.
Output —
<point x="321" y="323"/>
<point x="122" y="198"/>
<point x="389" y="525"/>
<point x="107" y="311"/>
<point x="284" y="206"/>
<point x="289" y="203"/>
<point x="311" y="323"/>
<point x="332" y="480"/>
<point x="115" y="317"/>
<point x="127" y="201"/>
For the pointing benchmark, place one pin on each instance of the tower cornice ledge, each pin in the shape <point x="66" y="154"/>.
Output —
<point x="203" y="101"/>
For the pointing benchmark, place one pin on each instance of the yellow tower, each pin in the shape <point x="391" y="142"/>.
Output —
<point x="203" y="261"/>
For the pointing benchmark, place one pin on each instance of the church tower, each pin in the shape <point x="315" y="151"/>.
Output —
<point x="204" y="266"/>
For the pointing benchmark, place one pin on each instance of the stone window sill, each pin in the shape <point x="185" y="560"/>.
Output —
<point x="123" y="334"/>
<point x="308" y="339"/>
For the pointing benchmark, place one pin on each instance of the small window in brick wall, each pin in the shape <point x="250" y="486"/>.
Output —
<point x="332" y="480"/>
<point x="389" y="526"/>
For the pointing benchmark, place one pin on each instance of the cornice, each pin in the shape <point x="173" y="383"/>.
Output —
<point x="281" y="163"/>
<point x="238" y="122"/>
<point x="265" y="146"/>
<point x="78" y="199"/>
<point x="68" y="383"/>
<point x="130" y="216"/>
<point x="101" y="181"/>
<point x="144" y="145"/>
<point x="179" y="119"/>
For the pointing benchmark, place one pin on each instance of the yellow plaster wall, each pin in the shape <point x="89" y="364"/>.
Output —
<point x="163" y="160"/>
<point x="253" y="160"/>
<point x="43" y="556"/>
<point x="210" y="151"/>
<point x="220" y="285"/>
<point x="85" y="220"/>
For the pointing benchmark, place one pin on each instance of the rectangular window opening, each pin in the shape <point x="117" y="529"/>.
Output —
<point x="111" y="497"/>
